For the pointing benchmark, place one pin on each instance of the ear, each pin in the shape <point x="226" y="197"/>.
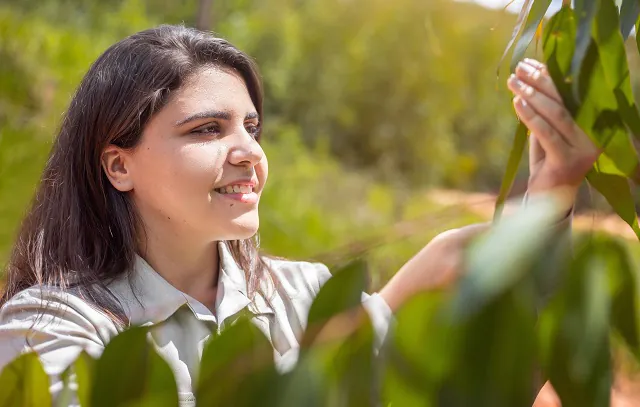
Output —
<point x="115" y="163"/>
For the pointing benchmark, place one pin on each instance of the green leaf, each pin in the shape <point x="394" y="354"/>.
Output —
<point x="84" y="369"/>
<point x="629" y="12"/>
<point x="131" y="371"/>
<point x="538" y="10"/>
<point x="614" y="60"/>
<point x="585" y="10"/>
<point x="341" y="371"/>
<point x="495" y="366"/>
<point x="515" y="156"/>
<point x="598" y="115"/>
<point x="574" y="331"/>
<point x="617" y="192"/>
<point x="619" y="156"/>
<point x="397" y="391"/>
<point x="492" y="270"/>
<point x="305" y="385"/>
<point x="353" y="370"/>
<point x="624" y="312"/>
<point x="638" y="36"/>
<point x="342" y="292"/>
<point x="522" y="18"/>
<point x="423" y="350"/>
<point x="24" y="383"/>
<point x="495" y="306"/>
<point x="237" y="368"/>
<point x="558" y="45"/>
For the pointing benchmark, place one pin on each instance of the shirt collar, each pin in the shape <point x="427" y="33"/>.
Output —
<point x="148" y="299"/>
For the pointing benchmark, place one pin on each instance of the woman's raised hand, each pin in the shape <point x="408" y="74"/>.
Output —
<point x="560" y="153"/>
<point x="560" y="156"/>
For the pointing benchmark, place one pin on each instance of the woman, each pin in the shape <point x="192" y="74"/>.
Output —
<point x="147" y="210"/>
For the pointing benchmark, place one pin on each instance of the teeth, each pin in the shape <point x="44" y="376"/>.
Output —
<point x="235" y="189"/>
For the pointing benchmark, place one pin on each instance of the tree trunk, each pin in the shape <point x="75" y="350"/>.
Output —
<point x="203" y="19"/>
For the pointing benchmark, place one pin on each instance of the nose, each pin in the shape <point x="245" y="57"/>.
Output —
<point x="246" y="151"/>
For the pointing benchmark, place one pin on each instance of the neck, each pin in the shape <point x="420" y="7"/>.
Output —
<point x="191" y="267"/>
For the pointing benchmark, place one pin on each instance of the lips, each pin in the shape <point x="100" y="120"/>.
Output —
<point x="241" y="191"/>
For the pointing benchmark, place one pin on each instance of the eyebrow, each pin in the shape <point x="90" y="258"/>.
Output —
<point x="213" y="114"/>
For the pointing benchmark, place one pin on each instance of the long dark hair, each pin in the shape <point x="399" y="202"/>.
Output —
<point x="80" y="230"/>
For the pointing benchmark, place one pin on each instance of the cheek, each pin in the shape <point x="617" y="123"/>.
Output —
<point x="262" y="171"/>
<point x="179" y="174"/>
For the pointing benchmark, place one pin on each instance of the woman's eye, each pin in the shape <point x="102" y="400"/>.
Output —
<point x="208" y="129"/>
<point x="253" y="129"/>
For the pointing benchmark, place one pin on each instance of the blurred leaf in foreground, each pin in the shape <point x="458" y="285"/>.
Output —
<point x="24" y="383"/>
<point x="131" y="371"/>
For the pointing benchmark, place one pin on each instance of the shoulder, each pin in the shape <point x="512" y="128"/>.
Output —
<point x="49" y="301"/>
<point x="298" y="277"/>
<point x="48" y="315"/>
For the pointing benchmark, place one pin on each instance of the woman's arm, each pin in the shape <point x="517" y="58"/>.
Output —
<point x="560" y="155"/>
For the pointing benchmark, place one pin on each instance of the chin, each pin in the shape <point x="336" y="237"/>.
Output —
<point x="240" y="229"/>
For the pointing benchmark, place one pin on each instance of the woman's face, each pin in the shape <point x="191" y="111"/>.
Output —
<point x="198" y="167"/>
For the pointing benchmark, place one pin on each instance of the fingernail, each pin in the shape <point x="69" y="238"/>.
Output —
<point x="516" y="83"/>
<point x="528" y="69"/>
<point x="533" y="62"/>
<point x="522" y="102"/>
<point x="522" y="105"/>
<point x="521" y="87"/>
<point x="528" y="90"/>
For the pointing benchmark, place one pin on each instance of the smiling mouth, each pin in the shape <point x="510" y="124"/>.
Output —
<point x="235" y="189"/>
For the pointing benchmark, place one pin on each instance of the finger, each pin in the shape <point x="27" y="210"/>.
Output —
<point x="553" y="112"/>
<point x="469" y="232"/>
<point x="537" y="64"/>
<point x="539" y="79"/>
<point x="547" y="397"/>
<point x="553" y="144"/>
<point x="536" y="153"/>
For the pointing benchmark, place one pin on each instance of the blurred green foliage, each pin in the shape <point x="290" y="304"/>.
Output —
<point x="368" y="103"/>
<point x="478" y="344"/>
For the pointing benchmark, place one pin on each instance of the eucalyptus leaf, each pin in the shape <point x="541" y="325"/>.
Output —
<point x="617" y="192"/>
<point x="131" y="371"/>
<point x="353" y="370"/>
<point x="637" y="36"/>
<point x="585" y="10"/>
<point x="24" y="383"/>
<point x="515" y="156"/>
<point x="341" y="293"/>
<point x="536" y="14"/>
<point x="575" y="331"/>
<point x="623" y="285"/>
<point x="558" y="45"/>
<point x="495" y="365"/>
<point x="614" y="59"/>
<point x="598" y="113"/>
<point x="629" y="12"/>
<point x="423" y="350"/>
<point x="84" y="369"/>
<point x="522" y="18"/>
<point x="304" y="385"/>
<point x="502" y="258"/>
<point x="237" y="368"/>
